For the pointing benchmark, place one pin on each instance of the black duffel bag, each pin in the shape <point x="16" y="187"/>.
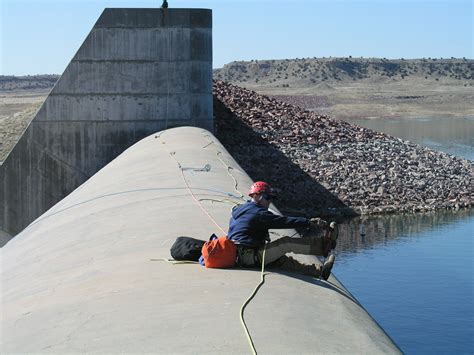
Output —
<point x="187" y="248"/>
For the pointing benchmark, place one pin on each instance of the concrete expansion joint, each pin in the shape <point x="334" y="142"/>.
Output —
<point x="121" y="94"/>
<point x="91" y="61"/>
<point x="99" y="121"/>
<point x="153" y="27"/>
<point x="133" y="191"/>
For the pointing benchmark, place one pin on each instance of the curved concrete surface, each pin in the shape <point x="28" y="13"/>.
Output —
<point x="80" y="278"/>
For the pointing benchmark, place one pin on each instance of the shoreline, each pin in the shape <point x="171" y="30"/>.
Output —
<point x="383" y="109"/>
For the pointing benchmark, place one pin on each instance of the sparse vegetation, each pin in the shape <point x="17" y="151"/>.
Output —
<point x="366" y="87"/>
<point x="27" y="82"/>
<point x="310" y="70"/>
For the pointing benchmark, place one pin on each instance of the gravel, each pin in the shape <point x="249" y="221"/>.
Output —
<point x="325" y="166"/>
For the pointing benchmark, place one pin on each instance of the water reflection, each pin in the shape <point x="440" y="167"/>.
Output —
<point x="413" y="272"/>
<point x="369" y="232"/>
<point x="450" y="135"/>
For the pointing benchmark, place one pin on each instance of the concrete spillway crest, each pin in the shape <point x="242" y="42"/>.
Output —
<point x="82" y="278"/>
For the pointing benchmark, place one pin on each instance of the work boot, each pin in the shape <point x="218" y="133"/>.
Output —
<point x="327" y="266"/>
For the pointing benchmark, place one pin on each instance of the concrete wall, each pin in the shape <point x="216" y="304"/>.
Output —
<point x="81" y="279"/>
<point x="137" y="72"/>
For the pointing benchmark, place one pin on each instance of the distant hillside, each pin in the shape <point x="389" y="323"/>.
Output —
<point x="361" y="88"/>
<point x="313" y="71"/>
<point x="308" y="72"/>
<point x="20" y="99"/>
<point x="27" y="82"/>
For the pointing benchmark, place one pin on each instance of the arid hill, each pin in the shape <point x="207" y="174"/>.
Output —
<point x="347" y="88"/>
<point x="27" y="82"/>
<point x="20" y="99"/>
<point x="308" y="72"/>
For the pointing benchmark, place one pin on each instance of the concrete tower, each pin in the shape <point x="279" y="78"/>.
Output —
<point x="138" y="71"/>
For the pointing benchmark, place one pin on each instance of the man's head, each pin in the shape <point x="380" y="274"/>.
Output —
<point x="262" y="193"/>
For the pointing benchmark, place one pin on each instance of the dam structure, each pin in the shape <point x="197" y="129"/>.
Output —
<point x="102" y="183"/>
<point x="138" y="71"/>
<point x="88" y="276"/>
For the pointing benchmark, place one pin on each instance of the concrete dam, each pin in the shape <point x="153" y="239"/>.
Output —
<point x="100" y="186"/>
<point x="138" y="71"/>
<point x="81" y="278"/>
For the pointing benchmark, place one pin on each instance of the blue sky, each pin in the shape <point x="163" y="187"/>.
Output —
<point x="41" y="36"/>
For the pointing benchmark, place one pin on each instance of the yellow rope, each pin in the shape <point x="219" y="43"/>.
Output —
<point x="171" y="261"/>
<point x="229" y="168"/>
<point x="262" y="274"/>
<point x="262" y="281"/>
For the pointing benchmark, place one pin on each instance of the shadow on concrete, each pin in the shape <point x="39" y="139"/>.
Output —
<point x="299" y="193"/>
<point x="4" y="238"/>
<point x="316" y="282"/>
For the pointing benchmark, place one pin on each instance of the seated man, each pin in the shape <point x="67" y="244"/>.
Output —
<point x="249" y="227"/>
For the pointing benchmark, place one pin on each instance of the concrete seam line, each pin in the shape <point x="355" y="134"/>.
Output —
<point x="168" y="38"/>
<point x="139" y="61"/>
<point x="126" y="93"/>
<point x="114" y="122"/>
<point x="41" y="218"/>
<point x="149" y="27"/>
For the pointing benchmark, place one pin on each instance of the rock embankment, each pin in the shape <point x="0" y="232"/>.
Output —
<point x="312" y="157"/>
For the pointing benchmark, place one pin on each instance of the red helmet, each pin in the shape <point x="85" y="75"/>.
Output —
<point x="261" y="187"/>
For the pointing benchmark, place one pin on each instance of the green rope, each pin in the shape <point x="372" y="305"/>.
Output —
<point x="171" y="261"/>
<point x="262" y="281"/>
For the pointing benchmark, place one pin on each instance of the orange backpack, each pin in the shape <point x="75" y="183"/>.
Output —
<point x="219" y="252"/>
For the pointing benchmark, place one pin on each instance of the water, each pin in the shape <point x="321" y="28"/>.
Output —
<point x="415" y="273"/>
<point x="450" y="135"/>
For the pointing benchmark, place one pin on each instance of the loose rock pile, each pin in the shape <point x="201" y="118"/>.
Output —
<point x="323" y="165"/>
<point x="306" y="102"/>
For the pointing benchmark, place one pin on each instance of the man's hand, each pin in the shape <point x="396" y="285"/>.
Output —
<point x="318" y="222"/>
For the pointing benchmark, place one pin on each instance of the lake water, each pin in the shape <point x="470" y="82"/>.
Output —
<point x="450" y="135"/>
<point x="414" y="273"/>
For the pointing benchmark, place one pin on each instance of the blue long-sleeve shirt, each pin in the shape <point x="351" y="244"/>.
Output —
<point x="250" y="223"/>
